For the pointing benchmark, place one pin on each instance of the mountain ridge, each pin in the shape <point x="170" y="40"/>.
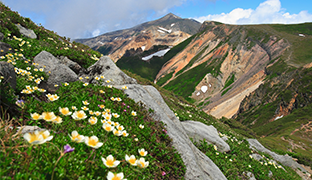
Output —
<point x="169" y="30"/>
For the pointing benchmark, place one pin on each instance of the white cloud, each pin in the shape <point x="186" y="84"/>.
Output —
<point x="96" y="32"/>
<point x="268" y="12"/>
<point x="83" y="18"/>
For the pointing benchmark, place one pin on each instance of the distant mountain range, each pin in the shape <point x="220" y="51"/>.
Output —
<point x="169" y="30"/>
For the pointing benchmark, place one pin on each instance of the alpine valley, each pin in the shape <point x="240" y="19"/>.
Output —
<point x="256" y="75"/>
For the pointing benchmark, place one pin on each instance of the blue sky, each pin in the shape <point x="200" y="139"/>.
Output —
<point x="89" y="18"/>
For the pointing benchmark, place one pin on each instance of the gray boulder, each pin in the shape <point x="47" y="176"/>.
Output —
<point x="26" y="32"/>
<point x="5" y="48"/>
<point x="283" y="159"/>
<point x="28" y="129"/>
<point x="60" y="73"/>
<point x="1" y="36"/>
<point x="107" y="68"/>
<point x="249" y="175"/>
<point x="200" y="131"/>
<point x="198" y="165"/>
<point x="8" y="72"/>
<point x="71" y="64"/>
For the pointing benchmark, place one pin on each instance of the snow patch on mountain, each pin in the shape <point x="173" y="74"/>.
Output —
<point x="204" y="89"/>
<point x="160" y="31"/>
<point x="166" y="30"/>
<point x="158" y="53"/>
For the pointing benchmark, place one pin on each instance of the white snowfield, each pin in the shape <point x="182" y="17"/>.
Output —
<point x="204" y="89"/>
<point x="172" y="24"/>
<point x="143" y="48"/>
<point x="163" y="29"/>
<point x="158" y="53"/>
<point x="278" y="117"/>
<point x="160" y="31"/>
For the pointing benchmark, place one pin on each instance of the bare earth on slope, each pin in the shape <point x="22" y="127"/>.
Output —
<point x="229" y="107"/>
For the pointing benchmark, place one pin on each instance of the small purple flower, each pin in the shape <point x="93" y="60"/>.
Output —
<point x="128" y="106"/>
<point x="164" y="130"/>
<point x="125" y="110"/>
<point x="20" y="103"/>
<point x="123" y="104"/>
<point x="68" y="149"/>
<point x="163" y="173"/>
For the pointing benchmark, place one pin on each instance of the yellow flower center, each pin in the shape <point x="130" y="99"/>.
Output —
<point x="48" y="116"/>
<point x="108" y="128"/>
<point x="43" y="135"/>
<point x="80" y="114"/>
<point x="141" y="153"/>
<point x="74" y="137"/>
<point x="36" y="116"/>
<point x="116" y="177"/>
<point x="142" y="164"/>
<point x="92" y="142"/>
<point x="132" y="161"/>
<point x="33" y="137"/>
<point x="110" y="162"/>
<point x="64" y="111"/>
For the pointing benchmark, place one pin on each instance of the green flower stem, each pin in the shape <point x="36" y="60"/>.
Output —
<point x="62" y="154"/>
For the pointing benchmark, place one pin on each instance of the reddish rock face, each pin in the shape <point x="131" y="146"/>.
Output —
<point x="236" y="53"/>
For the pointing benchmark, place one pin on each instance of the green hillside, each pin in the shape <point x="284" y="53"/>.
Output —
<point x="20" y="159"/>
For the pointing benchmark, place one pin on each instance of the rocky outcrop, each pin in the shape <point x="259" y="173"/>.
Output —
<point x="107" y="68"/>
<point x="8" y="73"/>
<point x="58" y="72"/>
<point x="71" y="64"/>
<point x="199" y="132"/>
<point x="223" y="51"/>
<point x="283" y="159"/>
<point x="198" y="165"/>
<point x="26" y="32"/>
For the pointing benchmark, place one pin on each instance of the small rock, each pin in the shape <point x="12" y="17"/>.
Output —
<point x="5" y="48"/>
<point x="7" y="71"/>
<point x="107" y="68"/>
<point x="26" y="32"/>
<point x="28" y="129"/>
<point x="1" y="36"/>
<point x="199" y="131"/>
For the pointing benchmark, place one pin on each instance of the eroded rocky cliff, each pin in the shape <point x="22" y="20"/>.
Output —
<point x="223" y="63"/>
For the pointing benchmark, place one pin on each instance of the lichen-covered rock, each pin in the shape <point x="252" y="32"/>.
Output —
<point x="26" y="32"/>
<point x="107" y="68"/>
<point x="200" y="131"/>
<point x="8" y="73"/>
<point x="58" y="73"/>
<point x="198" y="165"/>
